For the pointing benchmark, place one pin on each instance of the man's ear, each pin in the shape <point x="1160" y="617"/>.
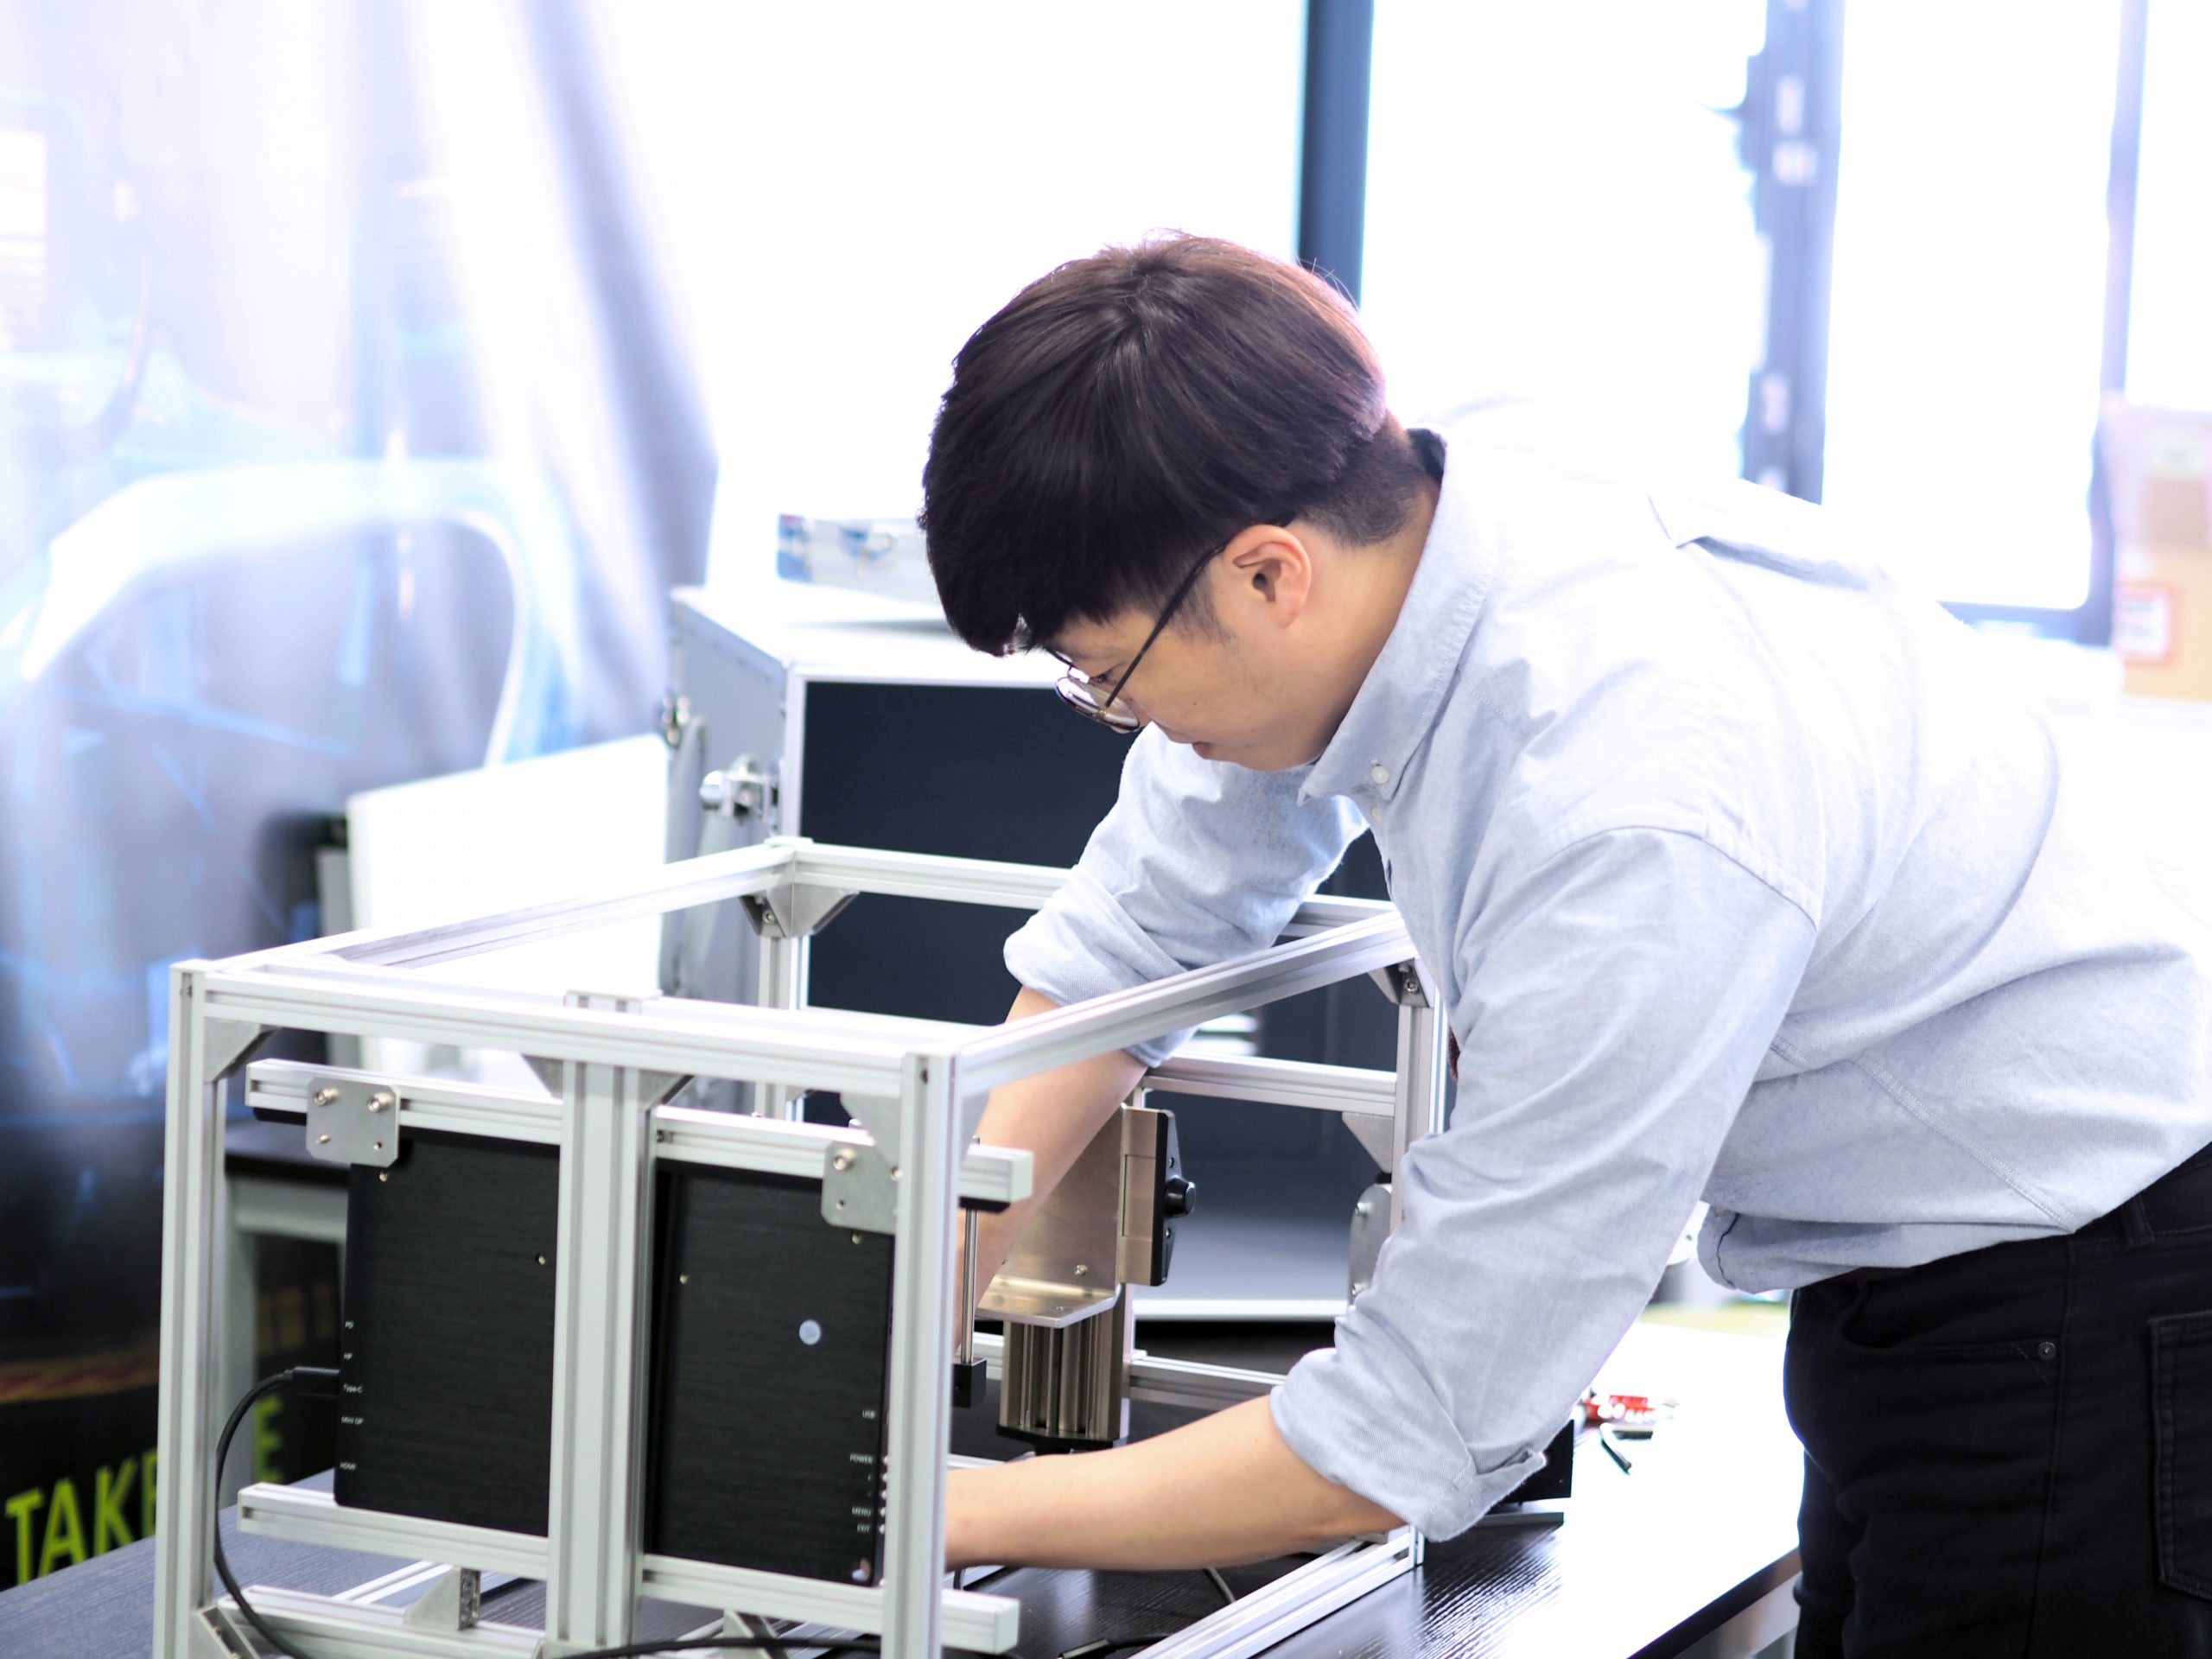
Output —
<point x="1272" y="567"/>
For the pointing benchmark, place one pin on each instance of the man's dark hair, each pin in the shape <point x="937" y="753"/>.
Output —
<point x="1126" y="412"/>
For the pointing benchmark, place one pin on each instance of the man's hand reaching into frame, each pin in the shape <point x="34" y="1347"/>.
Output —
<point x="1224" y="1489"/>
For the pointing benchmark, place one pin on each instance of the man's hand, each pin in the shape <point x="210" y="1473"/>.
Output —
<point x="1053" y="1117"/>
<point x="1224" y="1490"/>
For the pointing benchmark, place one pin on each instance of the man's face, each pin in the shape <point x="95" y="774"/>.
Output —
<point x="1245" y="689"/>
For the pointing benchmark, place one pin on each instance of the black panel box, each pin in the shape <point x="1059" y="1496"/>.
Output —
<point x="771" y="1349"/>
<point x="766" y="1381"/>
<point x="446" y="1361"/>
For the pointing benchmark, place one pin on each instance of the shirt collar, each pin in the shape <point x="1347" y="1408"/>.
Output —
<point x="1398" y="702"/>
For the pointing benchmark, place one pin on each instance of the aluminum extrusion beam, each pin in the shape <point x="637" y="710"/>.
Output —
<point x="973" y="1619"/>
<point x="1253" y="1624"/>
<point x="304" y="1515"/>
<point x="602" y="1285"/>
<point x="1104" y="1023"/>
<point x="917" y="1426"/>
<point x="420" y="1103"/>
<point x="191" y="1224"/>
<point x="1012" y="887"/>
<point x="748" y="1044"/>
<point x="706" y="880"/>
<point x="333" y="1628"/>
<point x="1278" y="1082"/>
<point x="988" y="1175"/>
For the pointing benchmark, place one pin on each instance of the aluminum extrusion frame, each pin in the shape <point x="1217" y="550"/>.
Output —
<point x="615" y="1058"/>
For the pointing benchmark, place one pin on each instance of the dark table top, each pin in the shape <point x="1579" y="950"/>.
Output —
<point x="1646" y="1565"/>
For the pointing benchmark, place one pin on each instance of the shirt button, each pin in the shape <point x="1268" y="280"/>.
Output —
<point x="1379" y="773"/>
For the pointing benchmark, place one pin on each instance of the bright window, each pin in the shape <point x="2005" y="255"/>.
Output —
<point x="846" y="192"/>
<point x="2169" y="329"/>
<point x="1969" y="291"/>
<point x="1556" y="212"/>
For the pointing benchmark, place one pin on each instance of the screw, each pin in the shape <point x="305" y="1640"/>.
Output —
<point x="1081" y="1271"/>
<point x="376" y="1145"/>
<point x="841" y="1162"/>
<point x="382" y="1176"/>
<point x="895" y="1171"/>
<point x="1362" y="1209"/>
<point x="863" y="1571"/>
<point x="378" y="1102"/>
<point x="322" y="1139"/>
<point x="541" y="1260"/>
<point x="682" y="1278"/>
<point x="856" y="1238"/>
<point x="325" y="1096"/>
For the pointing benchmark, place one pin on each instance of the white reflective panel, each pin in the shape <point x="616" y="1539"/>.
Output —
<point x="846" y="192"/>
<point x="2169" y="329"/>
<point x="1556" y="210"/>
<point x="1969" y="302"/>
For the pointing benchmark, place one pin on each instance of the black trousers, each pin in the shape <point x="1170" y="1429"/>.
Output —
<point x="2010" y="1452"/>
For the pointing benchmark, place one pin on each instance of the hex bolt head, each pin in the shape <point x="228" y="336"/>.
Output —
<point x="840" y="1160"/>
<point x="379" y="1102"/>
<point x="325" y="1096"/>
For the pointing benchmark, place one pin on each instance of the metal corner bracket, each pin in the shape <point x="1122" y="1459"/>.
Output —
<point x="352" y="1121"/>
<point x="1401" y="983"/>
<point x="793" y="910"/>
<point x="860" y="1188"/>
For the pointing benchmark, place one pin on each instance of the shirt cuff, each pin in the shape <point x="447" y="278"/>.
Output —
<point x="1363" y="1415"/>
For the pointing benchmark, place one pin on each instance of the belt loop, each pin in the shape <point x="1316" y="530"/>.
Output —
<point x="2135" y="1222"/>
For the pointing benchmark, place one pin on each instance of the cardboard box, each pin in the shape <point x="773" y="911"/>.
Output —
<point x="2158" y="468"/>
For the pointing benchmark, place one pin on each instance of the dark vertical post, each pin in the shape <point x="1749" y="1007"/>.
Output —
<point x="2094" y="621"/>
<point x="1333" y="162"/>
<point x="1792" y="128"/>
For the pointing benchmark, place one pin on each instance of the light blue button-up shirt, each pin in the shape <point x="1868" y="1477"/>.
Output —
<point x="1743" y="873"/>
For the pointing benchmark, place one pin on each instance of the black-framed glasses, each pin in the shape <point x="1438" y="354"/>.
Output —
<point x="1080" y="692"/>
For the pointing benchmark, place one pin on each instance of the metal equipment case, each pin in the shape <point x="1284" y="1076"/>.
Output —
<point x="859" y="721"/>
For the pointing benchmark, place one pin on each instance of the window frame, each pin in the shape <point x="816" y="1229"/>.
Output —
<point x="1791" y="120"/>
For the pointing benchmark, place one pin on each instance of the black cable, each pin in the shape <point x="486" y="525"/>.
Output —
<point x="325" y="1380"/>
<point x="703" y="1643"/>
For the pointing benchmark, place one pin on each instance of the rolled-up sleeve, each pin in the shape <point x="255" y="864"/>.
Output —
<point x="1613" y="1004"/>
<point x="1198" y="862"/>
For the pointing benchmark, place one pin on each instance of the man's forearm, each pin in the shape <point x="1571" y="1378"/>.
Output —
<point x="1224" y="1490"/>
<point x="1053" y="1117"/>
